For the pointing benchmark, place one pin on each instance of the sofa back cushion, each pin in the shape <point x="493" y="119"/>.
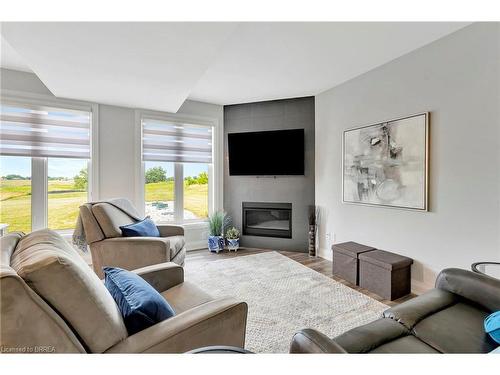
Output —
<point x="56" y="272"/>
<point x="110" y="219"/>
<point x="475" y="287"/>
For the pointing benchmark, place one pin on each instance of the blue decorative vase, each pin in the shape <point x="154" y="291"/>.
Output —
<point x="215" y="243"/>
<point x="233" y="244"/>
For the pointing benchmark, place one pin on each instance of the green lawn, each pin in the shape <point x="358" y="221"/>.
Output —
<point x="15" y="202"/>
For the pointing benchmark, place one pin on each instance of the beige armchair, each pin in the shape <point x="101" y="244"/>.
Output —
<point x="102" y="221"/>
<point x="51" y="301"/>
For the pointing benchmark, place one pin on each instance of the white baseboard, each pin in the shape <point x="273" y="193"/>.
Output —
<point x="196" y="245"/>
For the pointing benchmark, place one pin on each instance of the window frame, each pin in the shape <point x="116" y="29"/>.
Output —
<point x="215" y="170"/>
<point x="39" y="165"/>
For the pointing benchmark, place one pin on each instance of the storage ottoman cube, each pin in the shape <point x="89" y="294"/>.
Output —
<point x="385" y="273"/>
<point x="345" y="260"/>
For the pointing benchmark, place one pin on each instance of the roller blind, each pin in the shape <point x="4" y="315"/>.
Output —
<point x="176" y="142"/>
<point x="38" y="131"/>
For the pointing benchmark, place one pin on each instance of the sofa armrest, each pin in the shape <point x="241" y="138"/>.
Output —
<point x="129" y="252"/>
<point x="475" y="287"/>
<point x="219" y="322"/>
<point x="162" y="276"/>
<point x="311" y="341"/>
<point x="170" y="230"/>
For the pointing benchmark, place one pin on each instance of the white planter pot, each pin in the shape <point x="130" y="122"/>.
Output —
<point x="233" y="244"/>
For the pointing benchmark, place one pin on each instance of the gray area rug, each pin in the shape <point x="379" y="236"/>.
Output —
<point x="283" y="297"/>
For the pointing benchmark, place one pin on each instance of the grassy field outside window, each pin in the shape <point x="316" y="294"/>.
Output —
<point x="65" y="194"/>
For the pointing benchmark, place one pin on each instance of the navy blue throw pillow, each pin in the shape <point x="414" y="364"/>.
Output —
<point x="140" y="304"/>
<point x="143" y="228"/>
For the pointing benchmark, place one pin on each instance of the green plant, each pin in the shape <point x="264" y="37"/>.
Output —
<point x="15" y="177"/>
<point x="232" y="233"/>
<point x="201" y="179"/>
<point x="155" y="174"/>
<point x="218" y="222"/>
<point x="81" y="181"/>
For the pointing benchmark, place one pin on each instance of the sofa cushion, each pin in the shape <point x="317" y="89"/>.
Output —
<point x="56" y="272"/>
<point x="185" y="296"/>
<point x="404" y="345"/>
<point x="456" y="329"/>
<point x="140" y="304"/>
<point x="143" y="228"/>
<point x="176" y="244"/>
<point x="416" y="309"/>
<point x="110" y="219"/>
<point x="366" y="338"/>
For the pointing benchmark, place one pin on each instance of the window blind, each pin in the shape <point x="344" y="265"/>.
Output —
<point x="180" y="143"/>
<point x="44" y="132"/>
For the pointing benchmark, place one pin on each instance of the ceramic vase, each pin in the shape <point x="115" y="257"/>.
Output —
<point x="215" y="243"/>
<point x="233" y="244"/>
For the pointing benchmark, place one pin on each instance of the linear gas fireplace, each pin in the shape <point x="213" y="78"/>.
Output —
<point x="267" y="219"/>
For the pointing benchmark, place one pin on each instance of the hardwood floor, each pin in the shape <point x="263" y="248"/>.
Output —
<point x="317" y="264"/>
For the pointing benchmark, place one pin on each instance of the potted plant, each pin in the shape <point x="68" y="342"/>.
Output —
<point x="217" y="222"/>
<point x="233" y="239"/>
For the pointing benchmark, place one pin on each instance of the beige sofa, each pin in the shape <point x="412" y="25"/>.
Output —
<point x="102" y="222"/>
<point x="51" y="301"/>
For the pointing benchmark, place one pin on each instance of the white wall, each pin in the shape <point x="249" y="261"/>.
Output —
<point x="22" y="81"/>
<point x="117" y="129"/>
<point x="457" y="79"/>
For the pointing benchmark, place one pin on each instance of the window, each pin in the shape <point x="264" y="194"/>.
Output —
<point x="45" y="153"/>
<point x="159" y="191"/>
<point x="15" y="192"/>
<point x="177" y="161"/>
<point x="195" y="191"/>
<point x="67" y="191"/>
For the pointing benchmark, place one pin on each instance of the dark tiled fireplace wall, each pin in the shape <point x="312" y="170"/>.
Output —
<point x="296" y="190"/>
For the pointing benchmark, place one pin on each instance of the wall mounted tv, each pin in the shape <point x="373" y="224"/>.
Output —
<point x="267" y="153"/>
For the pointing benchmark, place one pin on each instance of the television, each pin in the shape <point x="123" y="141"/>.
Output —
<point x="266" y="153"/>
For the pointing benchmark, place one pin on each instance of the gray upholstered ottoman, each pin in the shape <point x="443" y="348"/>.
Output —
<point x="345" y="260"/>
<point x="386" y="274"/>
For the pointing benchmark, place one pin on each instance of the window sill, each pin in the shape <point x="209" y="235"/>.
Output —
<point x="186" y="224"/>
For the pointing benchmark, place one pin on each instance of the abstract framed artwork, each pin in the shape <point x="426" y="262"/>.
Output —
<point x="386" y="164"/>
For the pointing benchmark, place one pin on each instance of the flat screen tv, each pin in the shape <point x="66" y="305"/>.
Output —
<point x="267" y="153"/>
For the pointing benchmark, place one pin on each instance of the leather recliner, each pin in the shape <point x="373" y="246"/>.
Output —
<point x="52" y="301"/>
<point x="447" y="319"/>
<point x="102" y="223"/>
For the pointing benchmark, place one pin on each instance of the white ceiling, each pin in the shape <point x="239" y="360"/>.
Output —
<point x="264" y="61"/>
<point x="160" y="65"/>
<point x="142" y="65"/>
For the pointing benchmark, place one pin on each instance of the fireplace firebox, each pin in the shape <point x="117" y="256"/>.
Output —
<point x="267" y="219"/>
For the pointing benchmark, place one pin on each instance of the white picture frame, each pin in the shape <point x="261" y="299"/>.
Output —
<point x="386" y="164"/>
